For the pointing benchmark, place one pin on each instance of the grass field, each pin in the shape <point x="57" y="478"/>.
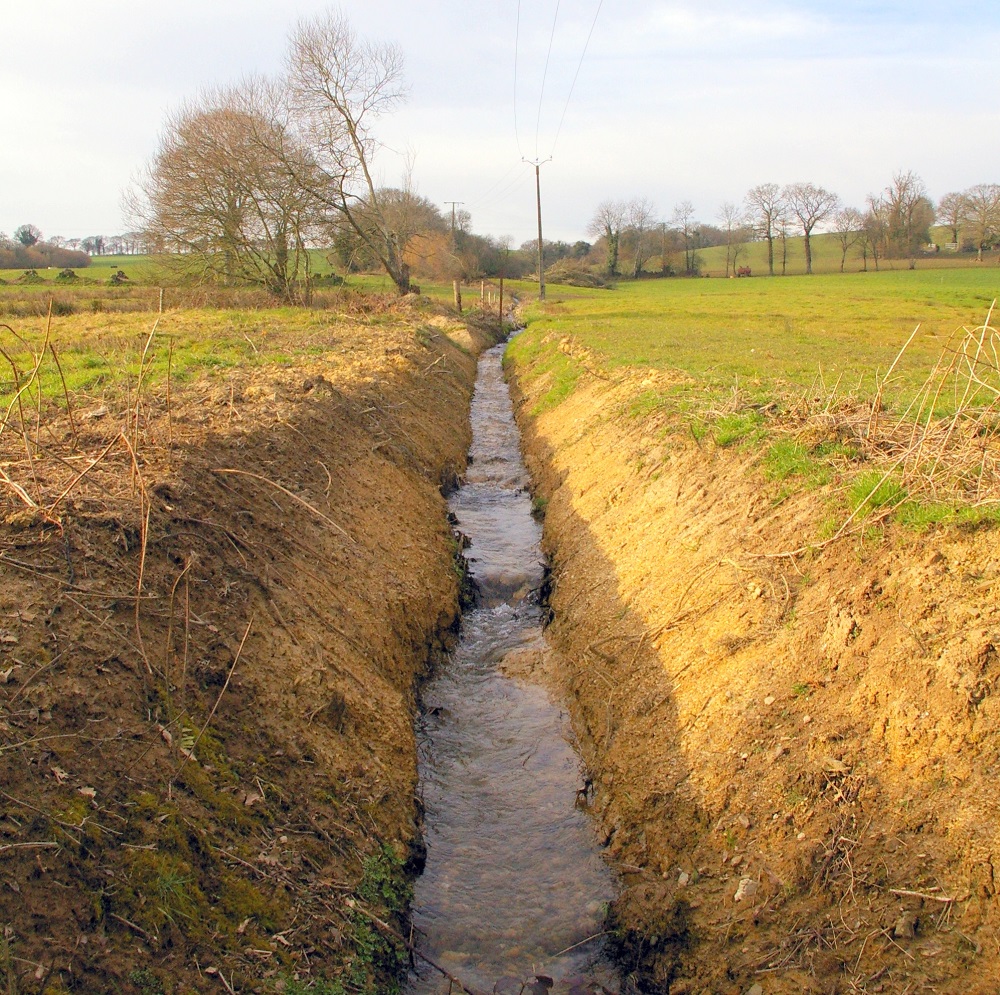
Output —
<point x="771" y="334"/>
<point x="795" y="371"/>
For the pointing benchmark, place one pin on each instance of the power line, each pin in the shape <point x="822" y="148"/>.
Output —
<point x="579" y="66"/>
<point x="486" y="193"/>
<point x="545" y="73"/>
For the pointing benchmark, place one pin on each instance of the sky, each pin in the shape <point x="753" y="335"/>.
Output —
<point x="670" y="100"/>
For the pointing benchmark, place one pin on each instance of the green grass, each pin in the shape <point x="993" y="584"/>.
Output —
<point x="810" y="334"/>
<point x="95" y="351"/>
<point x="741" y="361"/>
<point x="826" y="256"/>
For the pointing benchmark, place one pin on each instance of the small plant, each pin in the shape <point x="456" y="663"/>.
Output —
<point x="740" y="427"/>
<point x="801" y="690"/>
<point x="873" y="489"/>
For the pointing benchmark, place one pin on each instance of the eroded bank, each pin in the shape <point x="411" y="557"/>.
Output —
<point x="794" y="758"/>
<point x="210" y="644"/>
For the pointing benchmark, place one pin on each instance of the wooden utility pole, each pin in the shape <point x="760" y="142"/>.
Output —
<point x="538" y="163"/>
<point x="454" y="204"/>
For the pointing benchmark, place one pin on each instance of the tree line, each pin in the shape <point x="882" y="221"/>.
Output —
<point x="893" y="224"/>
<point x="29" y="250"/>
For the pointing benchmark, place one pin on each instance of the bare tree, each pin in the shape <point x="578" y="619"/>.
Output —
<point x="338" y="84"/>
<point x="607" y="223"/>
<point x="222" y="192"/>
<point x="982" y="215"/>
<point x="951" y="211"/>
<point x="875" y="230"/>
<point x="811" y="205"/>
<point x="684" y="222"/>
<point x="910" y="215"/>
<point x="734" y="225"/>
<point x="848" y="224"/>
<point x="765" y="207"/>
<point x="639" y="220"/>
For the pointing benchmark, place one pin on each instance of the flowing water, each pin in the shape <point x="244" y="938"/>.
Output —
<point x="513" y="878"/>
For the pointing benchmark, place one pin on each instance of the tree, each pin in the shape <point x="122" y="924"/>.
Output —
<point x="812" y="205"/>
<point x="221" y="191"/>
<point x="982" y="215"/>
<point x="607" y="223"/>
<point x="28" y="235"/>
<point x="848" y="225"/>
<point x="910" y="215"/>
<point x="639" y="220"/>
<point x="337" y="85"/>
<point x="683" y="221"/>
<point x="734" y="226"/>
<point x="765" y="208"/>
<point x="874" y="230"/>
<point x="951" y="211"/>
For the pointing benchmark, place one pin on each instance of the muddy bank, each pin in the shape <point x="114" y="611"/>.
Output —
<point x="794" y="759"/>
<point x="210" y="644"/>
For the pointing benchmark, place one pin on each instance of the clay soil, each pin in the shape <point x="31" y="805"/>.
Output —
<point x="794" y="759"/>
<point x="215" y="606"/>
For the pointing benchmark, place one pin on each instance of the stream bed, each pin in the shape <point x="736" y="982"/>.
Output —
<point x="514" y="887"/>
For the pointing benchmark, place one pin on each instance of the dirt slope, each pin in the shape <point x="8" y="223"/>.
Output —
<point x="795" y="760"/>
<point x="208" y="653"/>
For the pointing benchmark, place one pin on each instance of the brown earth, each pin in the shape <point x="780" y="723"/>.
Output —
<point x="209" y="648"/>
<point x="795" y="759"/>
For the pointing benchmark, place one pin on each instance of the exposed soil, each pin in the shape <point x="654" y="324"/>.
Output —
<point x="209" y="647"/>
<point x="794" y="759"/>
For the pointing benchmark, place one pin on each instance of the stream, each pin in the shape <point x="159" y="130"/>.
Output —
<point x="514" y="888"/>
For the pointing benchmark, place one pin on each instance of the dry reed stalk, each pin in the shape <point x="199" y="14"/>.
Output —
<point x="188" y="563"/>
<point x="19" y="392"/>
<point x="877" y="401"/>
<point x="138" y="383"/>
<point x="211" y="715"/>
<point x="284" y="490"/>
<point x="18" y="489"/>
<point x="170" y="364"/>
<point x="83" y="473"/>
<point x="69" y="406"/>
<point x="145" y="509"/>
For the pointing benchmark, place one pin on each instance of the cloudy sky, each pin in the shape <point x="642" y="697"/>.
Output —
<point x="673" y="99"/>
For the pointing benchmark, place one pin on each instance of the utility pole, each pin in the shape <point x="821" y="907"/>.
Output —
<point x="454" y="204"/>
<point x="538" y="163"/>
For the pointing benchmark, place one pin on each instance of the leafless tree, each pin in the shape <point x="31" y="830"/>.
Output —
<point x="640" y="215"/>
<point x="875" y="230"/>
<point x="951" y="211"/>
<point x="811" y="205"/>
<point x="910" y="215"/>
<point x="683" y="221"/>
<point x="848" y="224"/>
<point x="607" y="223"/>
<point x="734" y="224"/>
<point x="982" y="215"/>
<point x="765" y="207"/>
<point x="222" y="191"/>
<point x="338" y="84"/>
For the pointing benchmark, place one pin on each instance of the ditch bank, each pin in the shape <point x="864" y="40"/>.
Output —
<point x="217" y="601"/>
<point x="793" y="758"/>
